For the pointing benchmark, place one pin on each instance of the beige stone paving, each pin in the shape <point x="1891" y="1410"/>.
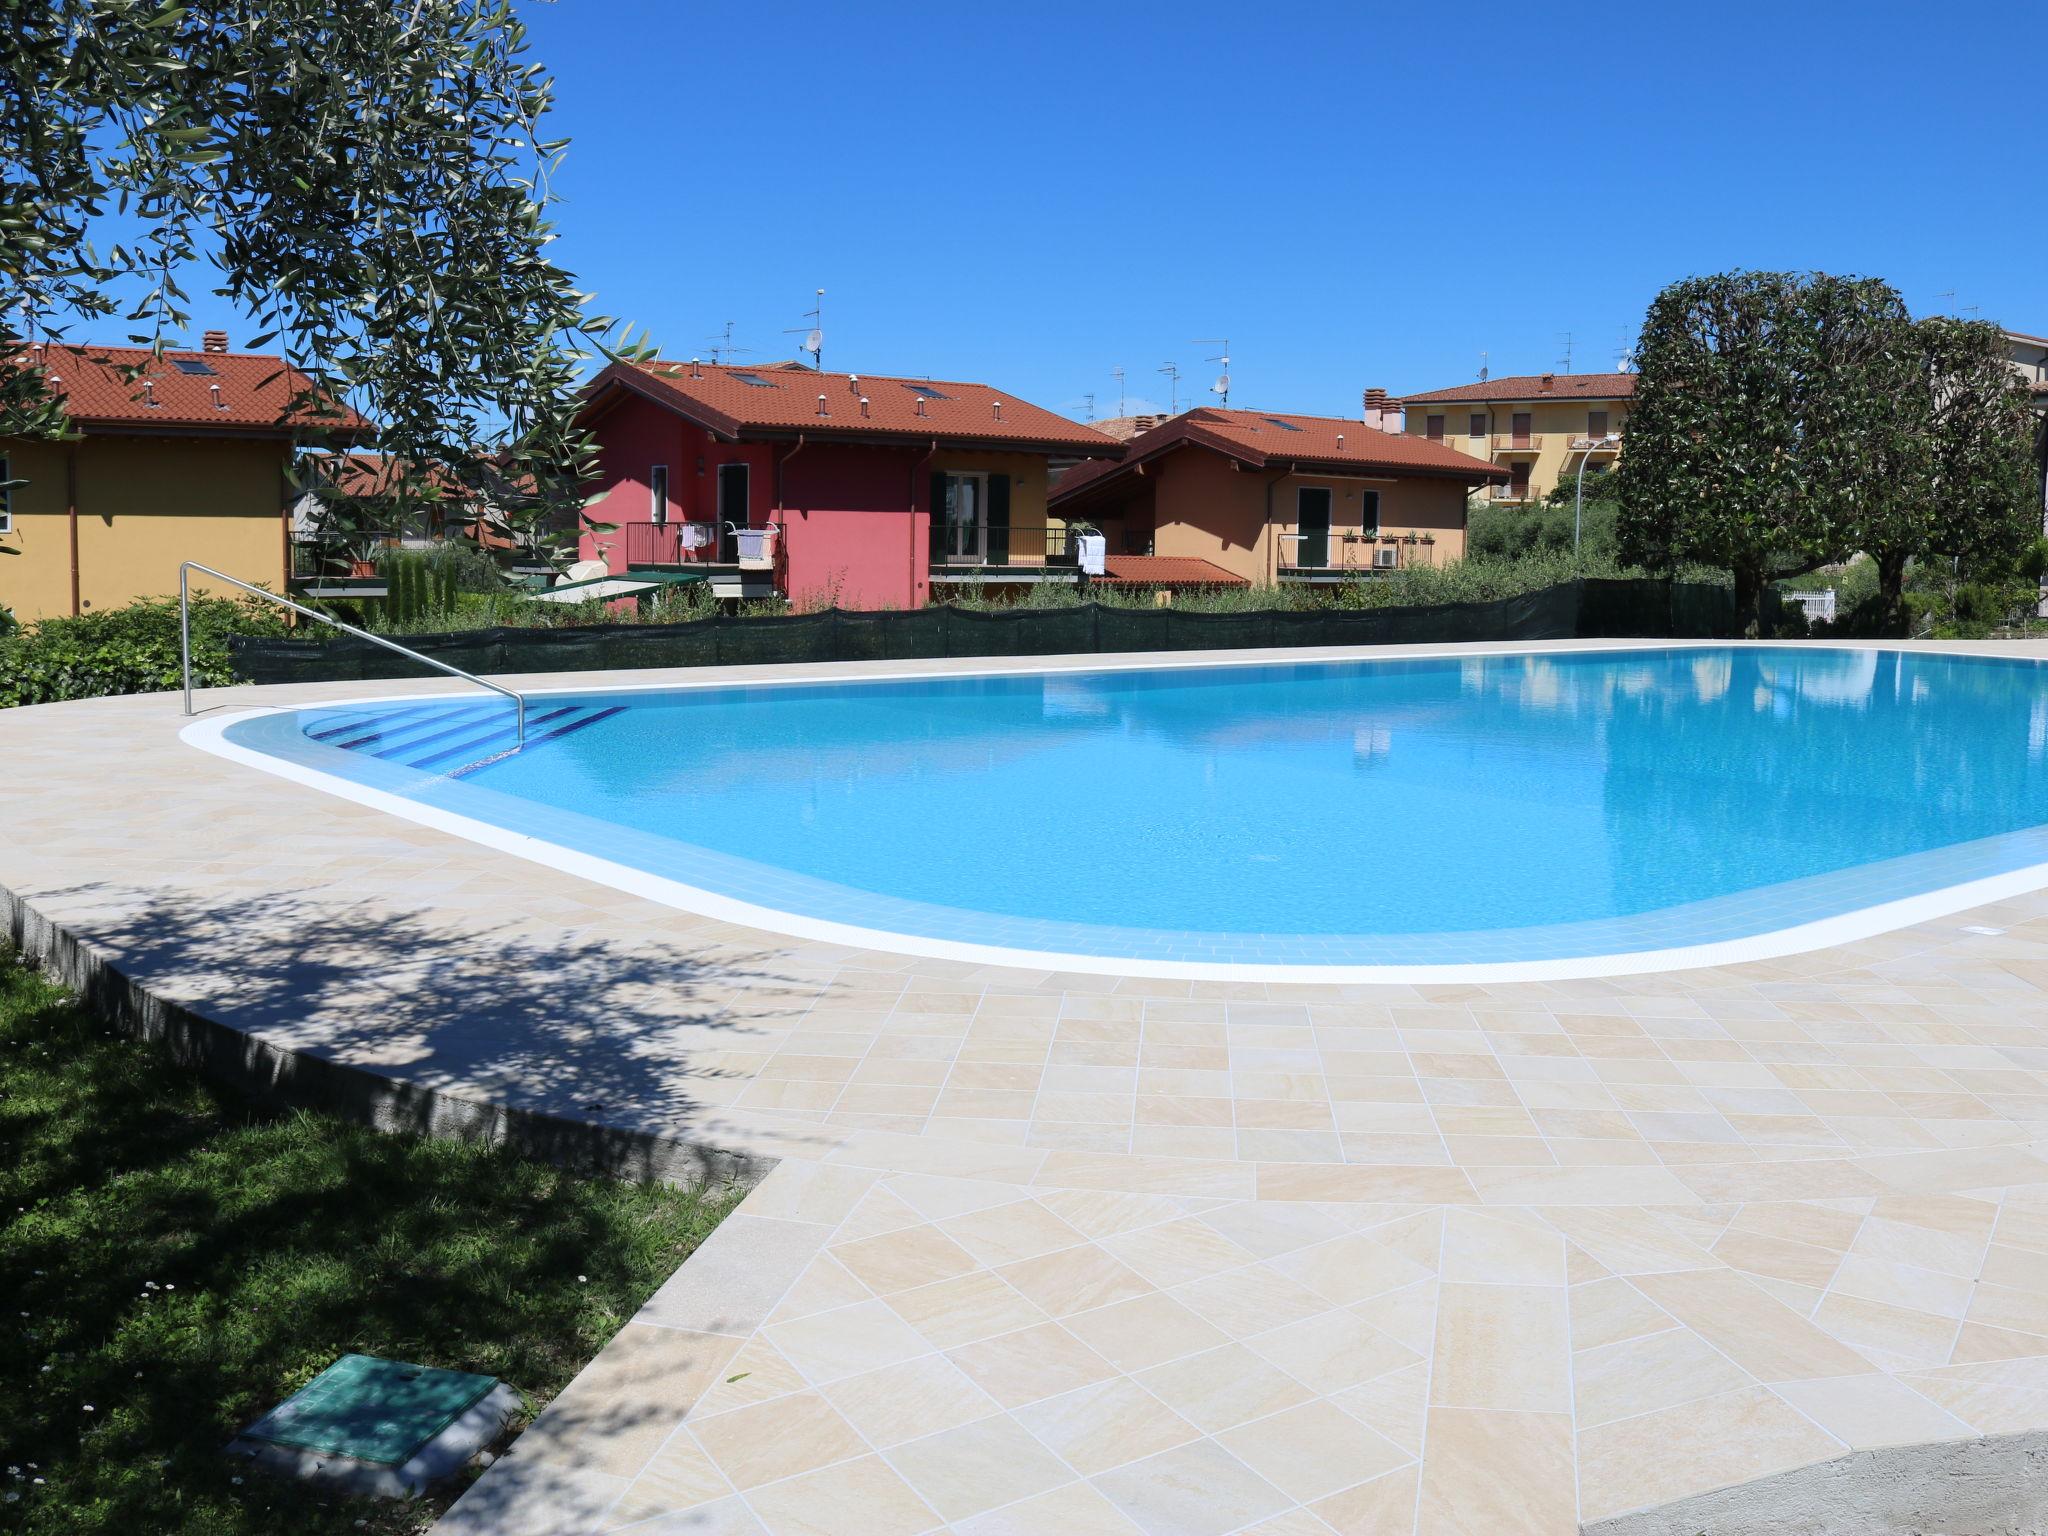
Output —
<point x="1074" y="1254"/>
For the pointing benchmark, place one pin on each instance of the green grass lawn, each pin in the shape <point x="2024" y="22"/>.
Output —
<point x="174" y="1260"/>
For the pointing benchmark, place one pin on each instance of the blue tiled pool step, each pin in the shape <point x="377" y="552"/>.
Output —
<point x="446" y="737"/>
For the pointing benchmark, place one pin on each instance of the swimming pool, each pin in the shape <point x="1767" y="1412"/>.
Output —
<point x="1563" y="812"/>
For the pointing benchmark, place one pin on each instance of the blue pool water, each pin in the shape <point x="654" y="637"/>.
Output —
<point x="1380" y="812"/>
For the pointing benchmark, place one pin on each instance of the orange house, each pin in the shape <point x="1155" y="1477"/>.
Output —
<point x="1272" y="498"/>
<point x="170" y="459"/>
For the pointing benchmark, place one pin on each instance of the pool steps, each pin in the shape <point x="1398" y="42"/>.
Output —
<point x="449" y="739"/>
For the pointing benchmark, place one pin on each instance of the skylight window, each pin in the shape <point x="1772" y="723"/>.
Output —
<point x="1284" y="426"/>
<point x="193" y="365"/>
<point x="927" y="391"/>
<point x="754" y="379"/>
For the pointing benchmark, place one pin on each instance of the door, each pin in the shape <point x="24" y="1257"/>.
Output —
<point x="963" y="540"/>
<point x="1520" y="426"/>
<point x="1518" y="480"/>
<point x="732" y="508"/>
<point x="1312" y="522"/>
<point x="1596" y="425"/>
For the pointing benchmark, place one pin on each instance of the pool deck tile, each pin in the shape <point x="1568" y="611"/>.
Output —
<point x="1044" y="1252"/>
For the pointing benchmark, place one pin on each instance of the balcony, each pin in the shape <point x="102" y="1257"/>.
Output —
<point x="1345" y="555"/>
<point x="1014" y="555"/>
<point x="1518" y="442"/>
<point x="669" y="544"/>
<point x="1598" y="446"/>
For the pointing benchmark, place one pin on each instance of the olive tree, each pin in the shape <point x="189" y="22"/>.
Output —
<point x="1921" y="439"/>
<point x="1716" y="470"/>
<point x="368" y="179"/>
<point x="1983" y="500"/>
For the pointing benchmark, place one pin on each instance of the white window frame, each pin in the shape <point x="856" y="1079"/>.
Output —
<point x="657" y="495"/>
<point x="980" y="554"/>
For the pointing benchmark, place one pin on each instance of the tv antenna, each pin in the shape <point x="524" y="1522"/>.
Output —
<point x="1222" y="385"/>
<point x="1117" y="373"/>
<point x="1088" y="400"/>
<point x="813" y="334"/>
<point x="1566" y="360"/>
<point x="1172" y="372"/>
<point x="722" y="347"/>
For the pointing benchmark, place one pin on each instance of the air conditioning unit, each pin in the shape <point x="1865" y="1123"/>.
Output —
<point x="1386" y="559"/>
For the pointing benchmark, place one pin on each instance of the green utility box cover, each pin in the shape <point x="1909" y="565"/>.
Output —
<point x="371" y="1409"/>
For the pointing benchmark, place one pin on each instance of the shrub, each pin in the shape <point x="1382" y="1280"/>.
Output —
<point x="126" y="650"/>
<point x="425" y="584"/>
<point x="1510" y="533"/>
<point x="1476" y="579"/>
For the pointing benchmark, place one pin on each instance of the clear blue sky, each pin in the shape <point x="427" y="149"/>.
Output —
<point x="1354" y="194"/>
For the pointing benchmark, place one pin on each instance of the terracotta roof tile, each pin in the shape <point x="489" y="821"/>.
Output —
<point x="255" y="391"/>
<point x="1170" y="571"/>
<point x="1529" y="386"/>
<point x="1265" y="437"/>
<point x="1262" y="438"/>
<point x="737" y="400"/>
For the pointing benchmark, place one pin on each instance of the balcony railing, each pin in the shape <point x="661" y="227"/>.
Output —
<point x="1342" y="553"/>
<point x="1611" y="443"/>
<point x="1517" y="442"/>
<point x="1029" y="547"/>
<point x="670" y="543"/>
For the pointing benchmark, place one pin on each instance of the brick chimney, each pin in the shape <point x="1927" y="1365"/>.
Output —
<point x="1549" y="379"/>
<point x="214" y="341"/>
<point x="1381" y="413"/>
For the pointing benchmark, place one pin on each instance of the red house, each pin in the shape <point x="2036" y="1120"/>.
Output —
<point x="858" y="490"/>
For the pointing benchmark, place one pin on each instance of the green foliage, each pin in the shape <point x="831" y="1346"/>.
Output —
<point x="126" y="650"/>
<point x="1782" y="421"/>
<point x="425" y="588"/>
<point x="1475" y="579"/>
<point x="1979" y="423"/>
<point x="1720" y="466"/>
<point x="181" y="1261"/>
<point x="1060" y="594"/>
<point x="372" y="181"/>
<point x="507" y="608"/>
<point x="1510" y="533"/>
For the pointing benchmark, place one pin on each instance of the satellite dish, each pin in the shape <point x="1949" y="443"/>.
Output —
<point x="1221" y="386"/>
<point x="814" y="342"/>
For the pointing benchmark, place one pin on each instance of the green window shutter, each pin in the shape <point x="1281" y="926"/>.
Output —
<point x="938" y="517"/>
<point x="998" y="519"/>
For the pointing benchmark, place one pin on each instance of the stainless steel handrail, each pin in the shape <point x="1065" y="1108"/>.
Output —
<point x="185" y="637"/>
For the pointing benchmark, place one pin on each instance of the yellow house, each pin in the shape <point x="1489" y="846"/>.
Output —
<point x="170" y="459"/>
<point x="1539" y="427"/>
